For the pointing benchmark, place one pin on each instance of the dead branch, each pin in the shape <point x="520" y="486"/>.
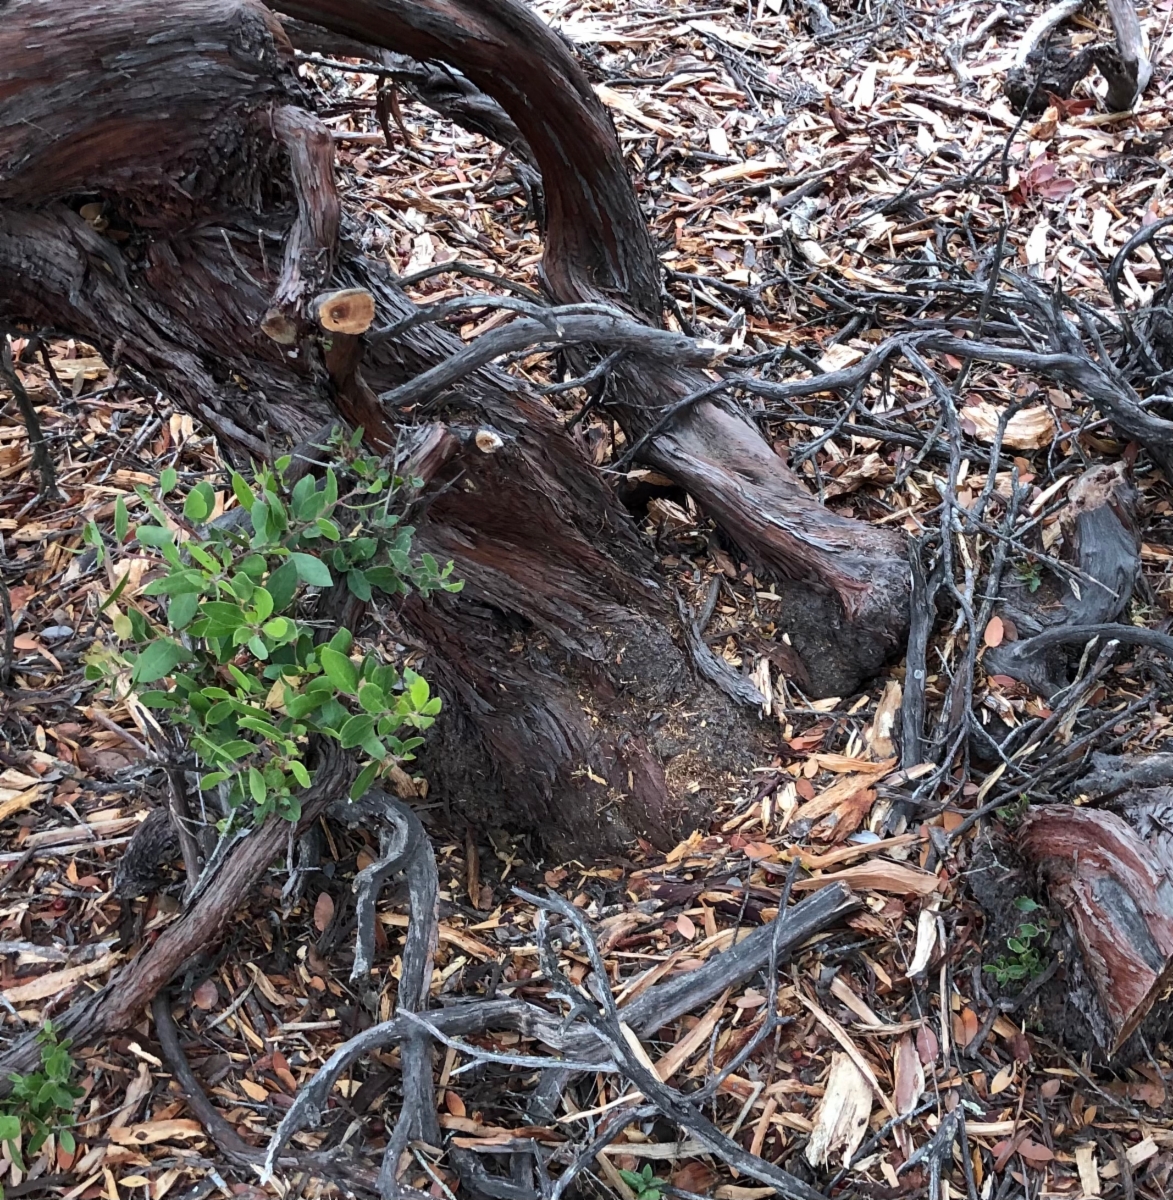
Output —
<point x="42" y="459"/>
<point x="558" y="326"/>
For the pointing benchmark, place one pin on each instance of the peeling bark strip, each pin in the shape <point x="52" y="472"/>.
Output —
<point x="1119" y="902"/>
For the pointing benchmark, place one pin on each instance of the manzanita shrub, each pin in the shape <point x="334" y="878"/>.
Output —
<point x="229" y="651"/>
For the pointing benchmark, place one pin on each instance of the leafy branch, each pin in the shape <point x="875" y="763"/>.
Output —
<point x="229" y="647"/>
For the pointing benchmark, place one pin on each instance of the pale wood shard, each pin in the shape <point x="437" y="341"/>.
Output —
<point x="351" y="310"/>
<point x="842" y="1116"/>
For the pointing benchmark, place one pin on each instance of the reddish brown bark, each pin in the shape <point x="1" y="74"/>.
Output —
<point x="1119" y="900"/>
<point x="561" y="658"/>
<point x="597" y="247"/>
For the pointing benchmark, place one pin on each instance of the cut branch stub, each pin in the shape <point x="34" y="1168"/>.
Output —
<point x="1119" y="903"/>
<point x="351" y="310"/>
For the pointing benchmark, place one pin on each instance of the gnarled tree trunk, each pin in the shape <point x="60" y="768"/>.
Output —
<point x="573" y="707"/>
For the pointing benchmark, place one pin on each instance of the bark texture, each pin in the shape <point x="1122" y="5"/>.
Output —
<point x="1118" y="898"/>
<point x="574" y="708"/>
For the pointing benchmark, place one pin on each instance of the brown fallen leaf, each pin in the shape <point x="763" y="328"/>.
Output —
<point x="323" y="912"/>
<point x="206" y="996"/>
<point x="156" y="1131"/>
<point x="908" y="1075"/>
<point x="694" y="1177"/>
<point x="254" y="1091"/>
<point x="995" y="632"/>
<point x="1030" y="429"/>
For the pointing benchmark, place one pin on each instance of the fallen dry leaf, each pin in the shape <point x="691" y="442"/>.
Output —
<point x="206" y="995"/>
<point x="995" y="631"/>
<point x="323" y="911"/>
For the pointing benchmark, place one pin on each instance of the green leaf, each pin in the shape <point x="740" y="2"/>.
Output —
<point x="219" y="712"/>
<point x="196" y="508"/>
<point x="168" y="478"/>
<point x="298" y="771"/>
<point x="291" y="808"/>
<point x="311" y="570"/>
<point x="419" y="691"/>
<point x="372" y="698"/>
<point x="263" y="603"/>
<point x="342" y="640"/>
<point x="632" y="1178"/>
<point x="328" y="529"/>
<point x="210" y="780"/>
<point x="182" y="610"/>
<point x="258" y="647"/>
<point x="384" y="578"/>
<point x="301" y="706"/>
<point x="155" y="535"/>
<point x="278" y="628"/>
<point x="65" y="1141"/>
<point x="9" y="1127"/>
<point x="158" y="660"/>
<point x="224" y="616"/>
<point x="121" y="520"/>
<point x="357" y="582"/>
<point x="366" y="777"/>
<point x="341" y="672"/>
<point x="257" y="786"/>
<point x="282" y="585"/>
<point x="158" y="700"/>
<point x="356" y="730"/>
<point x="176" y="583"/>
<point x="245" y="496"/>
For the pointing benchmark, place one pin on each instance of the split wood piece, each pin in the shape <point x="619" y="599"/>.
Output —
<point x="1104" y="545"/>
<point x="1119" y="903"/>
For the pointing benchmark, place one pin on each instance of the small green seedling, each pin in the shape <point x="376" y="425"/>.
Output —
<point x="41" y="1103"/>
<point x="1031" y="575"/>
<point x="645" y="1185"/>
<point x="228" y="650"/>
<point x="1024" y="960"/>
